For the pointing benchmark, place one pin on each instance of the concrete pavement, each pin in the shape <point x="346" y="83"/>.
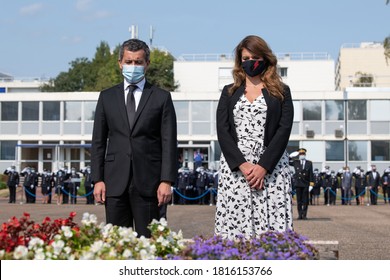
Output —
<point x="363" y="232"/>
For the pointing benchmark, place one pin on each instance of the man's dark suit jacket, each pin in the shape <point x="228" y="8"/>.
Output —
<point x="149" y="149"/>
<point x="278" y="126"/>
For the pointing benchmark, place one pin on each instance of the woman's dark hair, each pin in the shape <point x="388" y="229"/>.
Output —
<point x="270" y="78"/>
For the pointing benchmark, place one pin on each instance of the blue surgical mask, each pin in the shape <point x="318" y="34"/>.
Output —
<point x="133" y="73"/>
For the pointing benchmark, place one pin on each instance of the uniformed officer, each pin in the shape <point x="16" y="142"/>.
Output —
<point x="60" y="178"/>
<point x="30" y="184"/>
<point x="47" y="183"/>
<point x="12" y="183"/>
<point x="334" y="184"/>
<point x="201" y="183"/>
<point x="303" y="179"/>
<point x="88" y="185"/>
<point x="73" y="185"/>
<point x="183" y="184"/>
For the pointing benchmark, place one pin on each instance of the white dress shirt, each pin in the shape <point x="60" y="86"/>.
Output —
<point x="137" y="92"/>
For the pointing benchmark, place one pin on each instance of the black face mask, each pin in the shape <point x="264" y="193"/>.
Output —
<point x="253" y="67"/>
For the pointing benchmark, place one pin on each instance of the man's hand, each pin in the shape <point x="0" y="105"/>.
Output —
<point x="99" y="192"/>
<point x="164" y="193"/>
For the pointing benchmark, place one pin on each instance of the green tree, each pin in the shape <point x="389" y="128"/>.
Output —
<point x="78" y="76"/>
<point x="103" y="72"/>
<point x="160" y="71"/>
<point x="363" y="80"/>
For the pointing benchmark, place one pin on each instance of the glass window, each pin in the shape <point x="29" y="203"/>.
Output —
<point x="9" y="111"/>
<point x="357" y="150"/>
<point x="181" y="108"/>
<point x="377" y="107"/>
<point x="357" y="110"/>
<point x="30" y="111"/>
<point x="380" y="150"/>
<point x="292" y="146"/>
<point x="334" y="150"/>
<point x="201" y="111"/>
<point x="282" y="71"/>
<point x="311" y="110"/>
<point x="89" y="110"/>
<point x="72" y="111"/>
<point x="334" y="110"/>
<point x="51" y="110"/>
<point x="7" y="150"/>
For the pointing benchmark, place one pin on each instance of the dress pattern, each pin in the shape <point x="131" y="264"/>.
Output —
<point x="240" y="210"/>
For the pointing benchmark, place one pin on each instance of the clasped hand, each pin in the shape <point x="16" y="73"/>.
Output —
<point x="254" y="174"/>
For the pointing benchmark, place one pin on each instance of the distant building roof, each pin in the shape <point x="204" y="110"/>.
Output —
<point x="5" y="77"/>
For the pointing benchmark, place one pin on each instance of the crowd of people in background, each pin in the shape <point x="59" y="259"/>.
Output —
<point x="350" y="186"/>
<point x="64" y="184"/>
<point x="200" y="186"/>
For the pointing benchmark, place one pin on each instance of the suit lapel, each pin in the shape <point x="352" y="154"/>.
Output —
<point x="146" y="93"/>
<point x="120" y="97"/>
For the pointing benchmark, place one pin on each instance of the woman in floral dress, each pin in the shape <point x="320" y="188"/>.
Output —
<point x="254" y="120"/>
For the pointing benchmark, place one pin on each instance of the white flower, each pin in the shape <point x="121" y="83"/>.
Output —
<point x="113" y="253"/>
<point x="97" y="246"/>
<point x="2" y="253"/>
<point x="164" y="222"/>
<point x="34" y="243"/>
<point x="88" y="255"/>
<point x="160" y="228"/>
<point x="89" y="219"/>
<point x="127" y="254"/>
<point x="67" y="250"/>
<point x="20" y="252"/>
<point x="57" y="246"/>
<point x="67" y="231"/>
<point x="39" y="254"/>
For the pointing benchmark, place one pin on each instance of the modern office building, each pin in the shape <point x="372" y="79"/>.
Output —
<point x="349" y="126"/>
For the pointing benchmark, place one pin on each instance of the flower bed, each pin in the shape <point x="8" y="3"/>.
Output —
<point x="62" y="239"/>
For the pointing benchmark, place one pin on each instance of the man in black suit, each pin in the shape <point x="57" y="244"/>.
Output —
<point x="134" y="144"/>
<point x="303" y="178"/>
<point x="373" y="182"/>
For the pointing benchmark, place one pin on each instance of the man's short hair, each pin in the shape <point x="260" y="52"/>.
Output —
<point x="134" y="45"/>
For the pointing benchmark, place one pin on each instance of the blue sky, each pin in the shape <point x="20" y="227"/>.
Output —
<point x="40" y="38"/>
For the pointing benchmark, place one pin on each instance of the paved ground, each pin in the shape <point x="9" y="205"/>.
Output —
<point x="363" y="232"/>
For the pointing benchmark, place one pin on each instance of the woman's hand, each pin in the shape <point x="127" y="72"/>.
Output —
<point x="254" y="174"/>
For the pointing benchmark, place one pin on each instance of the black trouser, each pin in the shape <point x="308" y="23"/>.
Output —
<point x="131" y="209"/>
<point x="89" y="193"/>
<point x="385" y="189"/>
<point x="12" y="193"/>
<point x="302" y="201"/>
<point x="374" y="195"/>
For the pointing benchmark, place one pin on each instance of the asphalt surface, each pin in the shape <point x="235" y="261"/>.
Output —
<point x="363" y="232"/>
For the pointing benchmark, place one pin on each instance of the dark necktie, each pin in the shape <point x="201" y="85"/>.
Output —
<point x="130" y="105"/>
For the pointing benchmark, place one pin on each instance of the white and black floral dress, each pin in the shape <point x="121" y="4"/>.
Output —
<point x="240" y="210"/>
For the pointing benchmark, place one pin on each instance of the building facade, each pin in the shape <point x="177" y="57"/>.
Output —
<point x="338" y="128"/>
<point x="362" y="65"/>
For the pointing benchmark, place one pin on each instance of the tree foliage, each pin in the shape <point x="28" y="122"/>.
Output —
<point x="386" y="43"/>
<point x="103" y="72"/>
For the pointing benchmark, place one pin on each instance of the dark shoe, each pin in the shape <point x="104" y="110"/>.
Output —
<point x="305" y="218"/>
